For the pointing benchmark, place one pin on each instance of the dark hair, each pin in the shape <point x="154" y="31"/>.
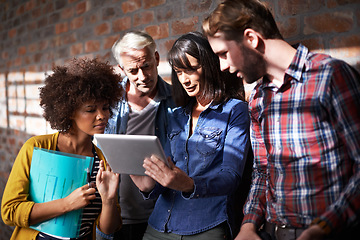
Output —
<point x="232" y="17"/>
<point x="68" y="87"/>
<point x="217" y="85"/>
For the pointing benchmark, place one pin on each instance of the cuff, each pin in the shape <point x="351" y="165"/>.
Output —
<point x="189" y="195"/>
<point x="101" y="236"/>
<point x="254" y="219"/>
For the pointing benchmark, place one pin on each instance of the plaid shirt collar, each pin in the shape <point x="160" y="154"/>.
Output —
<point x="294" y="71"/>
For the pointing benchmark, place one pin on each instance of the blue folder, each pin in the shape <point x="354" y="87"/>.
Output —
<point x="54" y="175"/>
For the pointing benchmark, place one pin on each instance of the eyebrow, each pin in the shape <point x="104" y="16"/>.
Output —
<point x="130" y="69"/>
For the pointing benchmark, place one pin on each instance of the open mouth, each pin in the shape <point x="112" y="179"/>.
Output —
<point x="190" y="89"/>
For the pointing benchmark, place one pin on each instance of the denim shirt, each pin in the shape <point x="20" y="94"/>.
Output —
<point x="214" y="157"/>
<point x="117" y="124"/>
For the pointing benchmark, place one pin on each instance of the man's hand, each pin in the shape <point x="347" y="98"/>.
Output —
<point x="248" y="232"/>
<point x="144" y="183"/>
<point x="314" y="232"/>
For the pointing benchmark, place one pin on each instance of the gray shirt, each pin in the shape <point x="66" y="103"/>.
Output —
<point x="134" y="209"/>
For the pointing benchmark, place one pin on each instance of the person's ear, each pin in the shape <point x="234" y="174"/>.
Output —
<point x="252" y="38"/>
<point x="157" y="58"/>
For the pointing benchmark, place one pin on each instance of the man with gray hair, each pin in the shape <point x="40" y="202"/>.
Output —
<point x="143" y="111"/>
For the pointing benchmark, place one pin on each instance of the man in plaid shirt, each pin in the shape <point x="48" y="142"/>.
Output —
<point x="305" y="129"/>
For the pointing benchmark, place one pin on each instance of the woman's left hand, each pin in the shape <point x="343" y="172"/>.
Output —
<point x="170" y="177"/>
<point x="107" y="183"/>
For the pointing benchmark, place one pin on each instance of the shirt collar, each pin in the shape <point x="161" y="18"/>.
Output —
<point x="297" y="66"/>
<point x="294" y="70"/>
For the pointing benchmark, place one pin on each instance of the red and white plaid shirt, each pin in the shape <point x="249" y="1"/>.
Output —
<point x="306" y="141"/>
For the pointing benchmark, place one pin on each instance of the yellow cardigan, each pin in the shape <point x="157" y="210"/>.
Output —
<point x="15" y="206"/>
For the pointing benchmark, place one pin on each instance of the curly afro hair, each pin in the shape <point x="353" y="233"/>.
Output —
<point x="80" y="81"/>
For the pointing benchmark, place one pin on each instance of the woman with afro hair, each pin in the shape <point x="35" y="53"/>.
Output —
<point x="78" y="100"/>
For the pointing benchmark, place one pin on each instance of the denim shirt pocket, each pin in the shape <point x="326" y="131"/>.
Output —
<point x="173" y="136"/>
<point x="209" y="140"/>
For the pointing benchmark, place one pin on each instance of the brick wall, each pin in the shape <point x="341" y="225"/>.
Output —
<point x="37" y="34"/>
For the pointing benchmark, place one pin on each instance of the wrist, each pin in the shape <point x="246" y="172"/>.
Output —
<point x="65" y="206"/>
<point x="109" y="202"/>
<point x="190" y="187"/>
<point x="248" y="227"/>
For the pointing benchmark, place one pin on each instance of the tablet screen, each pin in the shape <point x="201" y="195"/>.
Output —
<point x="126" y="153"/>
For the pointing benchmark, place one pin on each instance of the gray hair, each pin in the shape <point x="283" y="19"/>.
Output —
<point x="132" y="40"/>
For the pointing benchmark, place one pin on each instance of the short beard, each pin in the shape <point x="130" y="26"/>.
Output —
<point x="255" y="65"/>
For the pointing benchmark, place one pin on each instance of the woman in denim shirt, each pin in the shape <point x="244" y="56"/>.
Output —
<point x="208" y="145"/>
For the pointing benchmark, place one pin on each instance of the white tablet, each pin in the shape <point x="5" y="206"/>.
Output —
<point x="126" y="153"/>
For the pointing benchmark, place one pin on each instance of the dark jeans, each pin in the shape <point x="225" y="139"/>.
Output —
<point x="131" y="232"/>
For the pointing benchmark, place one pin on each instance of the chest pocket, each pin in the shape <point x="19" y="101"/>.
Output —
<point x="209" y="140"/>
<point x="173" y="137"/>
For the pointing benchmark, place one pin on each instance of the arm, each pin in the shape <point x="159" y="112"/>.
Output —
<point x="107" y="184"/>
<point x="343" y="101"/>
<point x="79" y="198"/>
<point x="236" y="145"/>
<point x="248" y="232"/>
<point x="254" y="209"/>
<point x="17" y="210"/>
